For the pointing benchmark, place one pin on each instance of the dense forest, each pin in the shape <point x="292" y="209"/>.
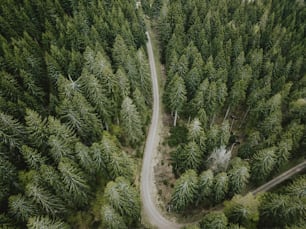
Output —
<point x="75" y="103"/>
<point x="75" y="96"/>
<point x="236" y="89"/>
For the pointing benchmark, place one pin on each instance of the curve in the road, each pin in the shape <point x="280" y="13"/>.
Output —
<point x="148" y="188"/>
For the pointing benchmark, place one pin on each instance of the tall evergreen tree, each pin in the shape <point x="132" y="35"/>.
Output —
<point x="185" y="191"/>
<point x="131" y="121"/>
<point x="176" y="92"/>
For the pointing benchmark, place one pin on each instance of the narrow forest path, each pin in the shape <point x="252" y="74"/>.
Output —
<point x="148" y="188"/>
<point x="277" y="180"/>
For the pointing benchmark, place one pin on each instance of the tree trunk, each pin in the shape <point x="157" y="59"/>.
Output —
<point x="106" y="127"/>
<point x="175" y="118"/>
<point x="227" y="112"/>
<point x="213" y="120"/>
<point x="232" y="125"/>
<point x="244" y="117"/>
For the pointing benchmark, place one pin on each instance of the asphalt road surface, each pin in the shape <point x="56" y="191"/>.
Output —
<point x="148" y="188"/>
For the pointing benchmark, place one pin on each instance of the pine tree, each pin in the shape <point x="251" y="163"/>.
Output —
<point x="216" y="220"/>
<point x="75" y="182"/>
<point x="185" y="191"/>
<point x="111" y="219"/>
<point x="176" y="92"/>
<point x="33" y="158"/>
<point x="190" y="157"/>
<point x="130" y="121"/>
<point x="243" y="210"/>
<point x="8" y="176"/>
<point x="196" y="133"/>
<point x="84" y="156"/>
<point x="280" y="210"/>
<point x="263" y="164"/>
<point x="238" y="175"/>
<point x="123" y="198"/>
<point x="44" y="199"/>
<point x="20" y="208"/>
<point x="206" y="180"/>
<point x="11" y="131"/>
<point x="36" y="128"/>
<point x="297" y="187"/>
<point x="38" y="222"/>
<point x="220" y="187"/>
<point x="94" y="92"/>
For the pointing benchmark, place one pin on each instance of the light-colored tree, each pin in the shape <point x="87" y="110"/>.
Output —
<point x="206" y="180"/>
<point x="123" y="198"/>
<point x="32" y="158"/>
<point x="75" y="182"/>
<point x="176" y="92"/>
<point x="131" y="121"/>
<point x="239" y="174"/>
<point x="263" y="163"/>
<point x="196" y="133"/>
<point x="297" y="187"/>
<point x="11" y="131"/>
<point x="220" y="187"/>
<point x="20" y="208"/>
<point x="111" y="219"/>
<point x="39" y="222"/>
<point x="36" y="128"/>
<point x="216" y="220"/>
<point x="50" y="203"/>
<point x="185" y="191"/>
<point x="243" y="210"/>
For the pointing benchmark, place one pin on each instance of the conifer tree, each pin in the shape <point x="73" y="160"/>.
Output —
<point x="20" y="208"/>
<point x="130" y="121"/>
<point x="39" y="222"/>
<point x="176" y="92"/>
<point x="185" y="191"/>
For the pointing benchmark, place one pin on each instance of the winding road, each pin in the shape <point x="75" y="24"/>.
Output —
<point x="148" y="188"/>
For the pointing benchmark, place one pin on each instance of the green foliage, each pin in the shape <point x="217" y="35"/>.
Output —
<point x="111" y="219"/>
<point x="21" y="208"/>
<point x="131" y="121"/>
<point x="187" y="157"/>
<point x="49" y="203"/>
<point x="206" y="180"/>
<point x="39" y="222"/>
<point x="297" y="187"/>
<point x="123" y="198"/>
<point x="243" y="77"/>
<point x="243" y="210"/>
<point x="185" y="191"/>
<point x="263" y="164"/>
<point x="66" y="68"/>
<point x="8" y="175"/>
<point x="176" y="95"/>
<point x="220" y="187"/>
<point x="214" y="220"/>
<point x="11" y="131"/>
<point x="178" y="135"/>
<point x="239" y="175"/>
<point x="280" y="210"/>
<point x="36" y="127"/>
<point x="75" y="181"/>
<point x="32" y="157"/>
